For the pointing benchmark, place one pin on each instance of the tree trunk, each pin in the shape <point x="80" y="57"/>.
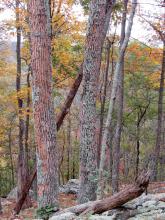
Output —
<point x="43" y="108"/>
<point x="117" y="138"/>
<point x="59" y="122"/>
<point x="26" y="189"/>
<point x="27" y="121"/>
<point x="22" y="166"/>
<point x="69" y="99"/>
<point x="140" y="117"/>
<point x="68" y="146"/>
<point x="97" y="28"/>
<point x="137" y="149"/>
<point x="103" y="98"/>
<point x="0" y="206"/>
<point x="113" y="98"/>
<point x="160" y="120"/>
<point x="11" y="157"/>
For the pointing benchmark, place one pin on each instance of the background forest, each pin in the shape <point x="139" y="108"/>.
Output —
<point x="111" y="125"/>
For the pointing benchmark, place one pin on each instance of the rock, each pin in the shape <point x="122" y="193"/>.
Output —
<point x="64" y="216"/>
<point x="149" y="203"/>
<point x="161" y="205"/>
<point x="72" y="187"/>
<point x="142" y="199"/>
<point x="99" y="217"/>
<point x="146" y="207"/>
<point x="151" y="215"/>
<point x="13" y="194"/>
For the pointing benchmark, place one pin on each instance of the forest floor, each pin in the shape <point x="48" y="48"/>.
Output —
<point x="66" y="200"/>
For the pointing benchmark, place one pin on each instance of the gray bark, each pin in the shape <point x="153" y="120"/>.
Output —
<point x="159" y="135"/>
<point x="98" y="23"/>
<point x="103" y="98"/>
<point x="113" y="98"/>
<point x="117" y="138"/>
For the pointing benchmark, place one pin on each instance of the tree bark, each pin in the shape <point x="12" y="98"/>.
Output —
<point x="68" y="146"/>
<point x="22" y="165"/>
<point x="113" y="98"/>
<point x="43" y="108"/>
<point x="0" y="206"/>
<point x="11" y="157"/>
<point x="160" y="120"/>
<point x="26" y="189"/>
<point x="98" y="23"/>
<point x="70" y="97"/>
<point x="140" y="117"/>
<point x="103" y="98"/>
<point x="59" y="122"/>
<point x="27" y="121"/>
<point x="117" y="138"/>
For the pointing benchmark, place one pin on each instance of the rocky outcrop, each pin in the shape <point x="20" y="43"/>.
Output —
<point x="148" y="207"/>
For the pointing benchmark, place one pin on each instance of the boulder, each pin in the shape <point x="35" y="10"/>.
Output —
<point x="64" y="216"/>
<point x="72" y="187"/>
<point x="99" y="217"/>
<point x="13" y="194"/>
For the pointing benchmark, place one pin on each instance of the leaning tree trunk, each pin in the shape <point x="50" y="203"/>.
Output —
<point x="97" y="28"/>
<point x="160" y="120"/>
<point x="117" y="138"/>
<point x="113" y="98"/>
<point x="43" y="108"/>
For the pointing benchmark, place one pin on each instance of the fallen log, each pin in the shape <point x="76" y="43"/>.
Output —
<point x="120" y="198"/>
<point x="123" y="196"/>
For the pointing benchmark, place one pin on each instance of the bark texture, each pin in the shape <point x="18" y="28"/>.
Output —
<point x="0" y="206"/>
<point x="117" y="138"/>
<point x="113" y="98"/>
<point x="97" y="28"/>
<point x="23" y="196"/>
<point x="159" y="134"/>
<point x="70" y="97"/>
<point x="43" y="107"/>
<point x="59" y="122"/>
<point x="22" y="174"/>
<point x="103" y="97"/>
